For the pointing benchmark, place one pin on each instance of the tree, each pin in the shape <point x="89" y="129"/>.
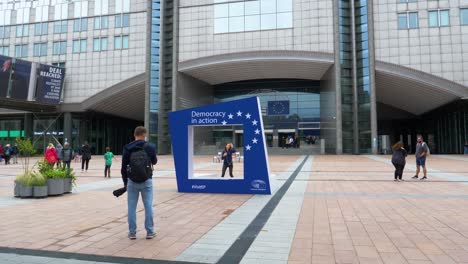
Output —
<point x="26" y="150"/>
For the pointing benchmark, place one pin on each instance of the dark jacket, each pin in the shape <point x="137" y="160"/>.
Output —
<point x="129" y="148"/>
<point x="67" y="154"/>
<point x="86" y="152"/>
<point x="399" y="156"/>
<point x="14" y="150"/>
<point x="228" y="158"/>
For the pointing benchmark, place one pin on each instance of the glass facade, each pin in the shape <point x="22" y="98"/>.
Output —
<point x="154" y="70"/>
<point x="99" y="130"/>
<point x="355" y="76"/>
<point x="301" y="118"/>
<point x="363" y="76"/>
<point x="346" y="70"/>
<point x="252" y="15"/>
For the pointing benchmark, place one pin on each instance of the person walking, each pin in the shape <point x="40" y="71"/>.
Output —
<point x="1" y="152"/>
<point x="85" y="157"/>
<point x="108" y="159"/>
<point x="67" y="155"/>
<point x="50" y="155"/>
<point x="399" y="160"/>
<point x="59" y="149"/>
<point x="138" y="159"/>
<point x="422" y="151"/>
<point x="15" y="153"/>
<point x="226" y="155"/>
<point x="7" y="153"/>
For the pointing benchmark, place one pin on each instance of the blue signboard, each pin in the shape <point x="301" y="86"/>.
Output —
<point x="278" y="107"/>
<point x="245" y="112"/>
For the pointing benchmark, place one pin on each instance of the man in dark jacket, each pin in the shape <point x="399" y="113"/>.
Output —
<point x="134" y="183"/>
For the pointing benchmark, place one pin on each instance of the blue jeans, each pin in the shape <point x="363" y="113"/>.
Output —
<point x="133" y="192"/>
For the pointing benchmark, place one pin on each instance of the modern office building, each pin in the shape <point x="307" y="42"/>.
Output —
<point x="358" y="74"/>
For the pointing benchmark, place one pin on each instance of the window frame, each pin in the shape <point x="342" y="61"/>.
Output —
<point x="407" y="15"/>
<point x="463" y="9"/>
<point x="279" y="16"/>
<point x="439" y="12"/>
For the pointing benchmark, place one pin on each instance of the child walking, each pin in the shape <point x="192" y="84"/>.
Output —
<point x="108" y="157"/>
<point x="399" y="160"/>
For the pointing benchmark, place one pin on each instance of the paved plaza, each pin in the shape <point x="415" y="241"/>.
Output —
<point x="325" y="209"/>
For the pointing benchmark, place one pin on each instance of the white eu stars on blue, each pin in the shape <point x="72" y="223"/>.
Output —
<point x="248" y="147"/>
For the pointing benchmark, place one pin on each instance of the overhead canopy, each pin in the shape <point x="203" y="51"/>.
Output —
<point x="125" y="99"/>
<point x="28" y="106"/>
<point x="258" y="65"/>
<point x="414" y="91"/>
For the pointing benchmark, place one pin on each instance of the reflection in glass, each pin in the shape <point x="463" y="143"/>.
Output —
<point x="284" y="6"/>
<point x="252" y="8"/>
<point x="221" y="25"/>
<point x="236" y="24"/>
<point x="284" y="20"/>
<point x="464" y="16"/>
<point x="268" y="6"/>
<point x="413" y="20"/>
<point x="236" y="9"/>
<point x="221" y="10"/>
<point x="268" y="21"/>
<point x="402" y="21"/>
<point x="252" y="23"/>
<point x="444" y="18"/>
<point x="433" y="18"/>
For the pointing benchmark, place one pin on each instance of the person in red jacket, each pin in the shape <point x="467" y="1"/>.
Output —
<point x="51" y="155"/>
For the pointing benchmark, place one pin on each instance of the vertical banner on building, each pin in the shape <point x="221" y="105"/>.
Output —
<point x="20" y="76"/>
<point x="50" y="81"/>
<point x="5" y="70"/>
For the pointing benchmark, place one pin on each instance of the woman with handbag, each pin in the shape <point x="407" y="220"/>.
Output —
<point x="228" y="151"/>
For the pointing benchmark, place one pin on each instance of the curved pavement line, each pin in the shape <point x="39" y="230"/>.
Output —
<point x="222" y="240"/>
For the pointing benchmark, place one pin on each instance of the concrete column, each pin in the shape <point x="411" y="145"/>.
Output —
<point x="373" y="96"/>
<point x="28" y="125"/>
<point x="336" y="46"/>
<point x="275" y="138"/>
<point x="67" y="127"/>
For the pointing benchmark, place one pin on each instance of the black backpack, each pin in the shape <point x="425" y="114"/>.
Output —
<point x="139" y="168"/>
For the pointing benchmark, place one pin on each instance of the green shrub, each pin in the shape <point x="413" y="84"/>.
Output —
<point x="23" y="179"/>
<point x="36" y="179"/>
<point x="32" y="179"/>
<point x="44" y="167"/>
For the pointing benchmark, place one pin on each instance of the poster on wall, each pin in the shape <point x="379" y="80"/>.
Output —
<point x="49" y="84"/>
<point x="20" y="77"/>
<point x="5" y="64"/>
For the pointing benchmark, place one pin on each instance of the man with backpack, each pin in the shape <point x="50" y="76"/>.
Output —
<point x="422" y="151"/>
<point x="138" y="159"/>
<point x="67" y="155"/>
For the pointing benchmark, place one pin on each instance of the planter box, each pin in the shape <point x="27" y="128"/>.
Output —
<point x="17" y="191"/>
<point x="26" y="191"/>
<point x="67" y="185"/>
<point x="55" y="186"/>
<point x="40" y="191"/>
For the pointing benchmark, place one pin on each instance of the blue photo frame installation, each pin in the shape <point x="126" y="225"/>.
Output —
<point x="245" y="112"/>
